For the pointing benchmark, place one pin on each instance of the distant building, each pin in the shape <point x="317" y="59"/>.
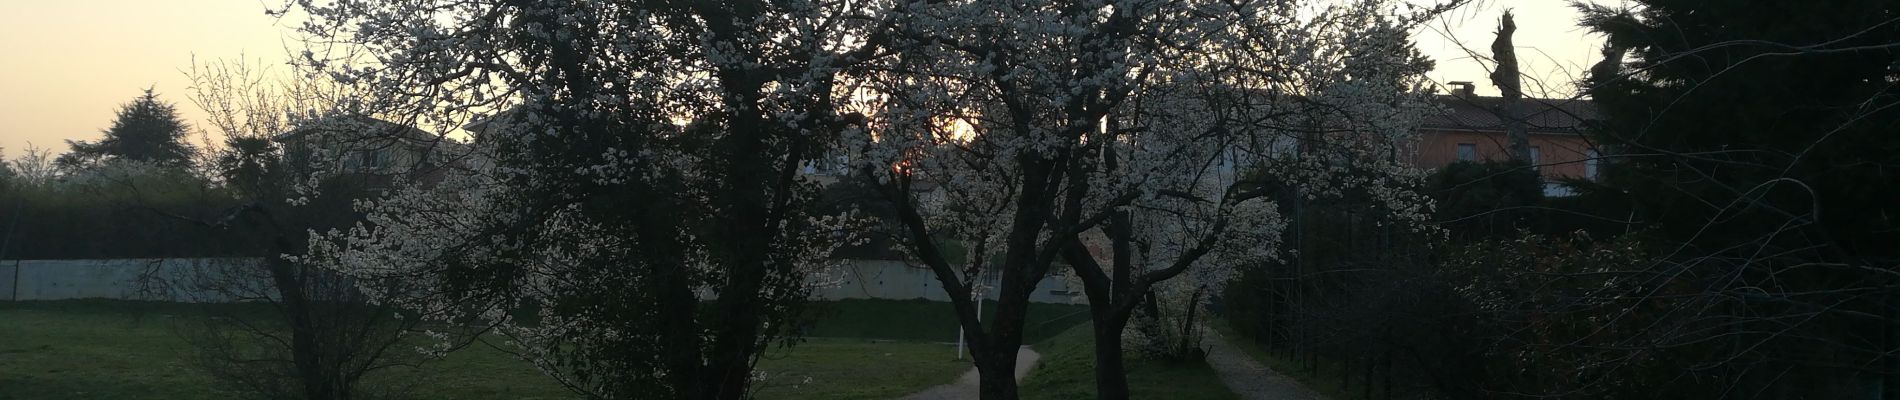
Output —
<point x="1471" y="129"/>
<point x="371" y="150"/>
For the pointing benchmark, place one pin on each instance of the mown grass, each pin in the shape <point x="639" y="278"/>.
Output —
<point x="925" y="320"/>
<point x="1067" y="371"/>
<point x="851" y="368"/>
<point x="47" y="353"/>
<point x="95" y="349"/>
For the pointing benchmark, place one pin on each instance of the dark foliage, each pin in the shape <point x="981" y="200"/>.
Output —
<point x="853" y="195"/>
<point x="1488" y="199"/>
<point x="1358" y="303"/>
<point x="123" y="217"/>
<point x="146" y="129"/>
<point x="1503" y="199"/>
<point x="1755" y="141"/>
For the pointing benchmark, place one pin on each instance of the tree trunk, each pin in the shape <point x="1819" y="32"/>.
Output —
<point x="728" y="370"/>
<point x="1510" y="86"/>
<point x="1187" y="344"/>
<point x="1111" y="373"/>
<point x="1388" y="361"/>
<point x="305" y="353"/>
<point x="1345" y="374"/>
<point x="1366" y="381"/>
<point x="996" y="373"/>
<point x="746" y="229"/>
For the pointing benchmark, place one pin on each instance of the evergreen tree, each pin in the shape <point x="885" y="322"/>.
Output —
<point x="146" y="129"/>
<point x="1757" y="140"/>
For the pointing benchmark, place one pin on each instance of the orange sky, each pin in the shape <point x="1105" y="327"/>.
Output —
<point x="66" y="65"/>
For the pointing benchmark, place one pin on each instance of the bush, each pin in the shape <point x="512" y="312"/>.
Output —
<point x="116" y="212"/>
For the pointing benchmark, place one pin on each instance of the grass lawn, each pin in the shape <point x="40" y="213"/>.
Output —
<point x="1067" y="371"/>
<point x="87" y="353"/>
<point x="930" y="321"/>
<point x="129" y="350"/>
<point x="849" y="368"/>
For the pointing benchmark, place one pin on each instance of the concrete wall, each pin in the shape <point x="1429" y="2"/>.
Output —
<point x="172" y="280"/>
<point x="9" y="271"/>
<point x="128" y="279"/>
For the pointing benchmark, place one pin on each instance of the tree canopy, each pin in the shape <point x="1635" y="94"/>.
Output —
<point x="146" y="129"/>
<point x="1755" y="140"/>
<point x="1709" y="114"/>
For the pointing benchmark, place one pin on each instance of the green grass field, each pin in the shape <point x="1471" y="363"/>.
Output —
<point x="93" y="349"/>
<point x="924" y="320"/>
<point x="840" y="368"/>
<point x="1067" y="371"/>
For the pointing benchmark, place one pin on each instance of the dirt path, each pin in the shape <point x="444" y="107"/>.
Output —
<point x="1248" y="378"/>
<point x="966" y="386"/>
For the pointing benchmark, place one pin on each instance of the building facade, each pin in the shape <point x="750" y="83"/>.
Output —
<point x="1471" y="128"/>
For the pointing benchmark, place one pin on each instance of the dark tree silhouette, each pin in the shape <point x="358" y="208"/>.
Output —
<point x="145" y="130"/>
<point x="7" y="176"/>
<point x="305" y="332"/>
<point x="1757" y="137"/>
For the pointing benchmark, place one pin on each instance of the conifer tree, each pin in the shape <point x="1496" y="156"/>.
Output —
<point x="146" y="129"/>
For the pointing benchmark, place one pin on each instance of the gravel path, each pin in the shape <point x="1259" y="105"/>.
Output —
<point x="1248" y="378"/>
<point x="966" y="387"/>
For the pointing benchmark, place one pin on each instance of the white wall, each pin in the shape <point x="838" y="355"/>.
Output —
<point x="128" y="279"/>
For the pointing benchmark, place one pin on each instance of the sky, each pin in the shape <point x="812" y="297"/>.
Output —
<point x="67" y="65"/>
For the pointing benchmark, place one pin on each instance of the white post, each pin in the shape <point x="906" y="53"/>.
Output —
<point x="977" y="294"/>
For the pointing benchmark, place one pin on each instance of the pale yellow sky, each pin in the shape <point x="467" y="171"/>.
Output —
<point x="1551" y="50"/>
<point x="66" y="65"/>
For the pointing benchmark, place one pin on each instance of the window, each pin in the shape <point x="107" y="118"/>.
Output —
<point x="1536" y="158"/>
<point x="1558" y="189"/>
<point x="1467" y="152"/>
<point x="372" y="159"/>
<point x="1590" y="164"/>
<point x="1284" y="146"/>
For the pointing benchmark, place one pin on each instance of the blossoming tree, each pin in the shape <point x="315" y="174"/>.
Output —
<point x="1136" y="141"/>
<point x="628" y="213"/>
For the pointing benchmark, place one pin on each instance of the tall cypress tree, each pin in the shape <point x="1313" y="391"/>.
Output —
<point x="1758" y="140"/>
<point x="146" y="129"/>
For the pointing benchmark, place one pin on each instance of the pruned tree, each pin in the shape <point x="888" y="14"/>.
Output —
<point x="1161" y="131"/>
<point x="1510" y="86"/>
<point x="631" y="216"/>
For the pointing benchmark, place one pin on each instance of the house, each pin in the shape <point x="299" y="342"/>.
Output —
<point x="372" y="150"/>
<point x="1471" y="129"/>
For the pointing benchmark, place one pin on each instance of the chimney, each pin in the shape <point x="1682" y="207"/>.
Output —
<point x="1465" y="89"/>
